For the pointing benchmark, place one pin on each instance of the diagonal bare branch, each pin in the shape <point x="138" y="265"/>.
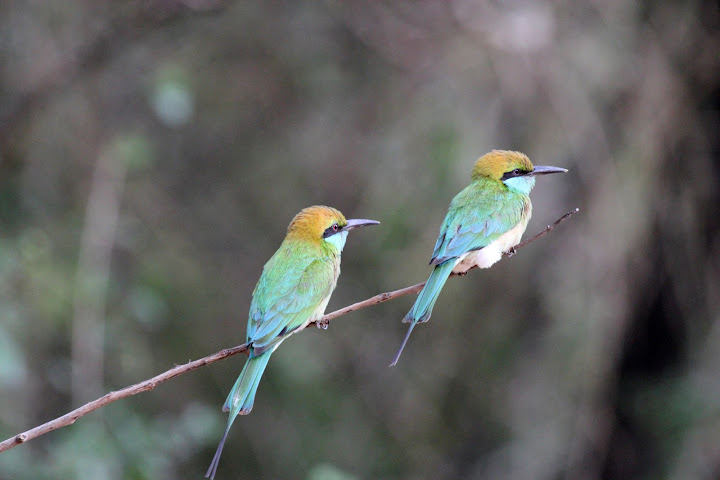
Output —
<point x="149" y="384"/>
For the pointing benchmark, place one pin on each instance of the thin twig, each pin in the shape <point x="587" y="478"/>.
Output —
<point x="547" y="230"/>
<point x="69" y="418"/>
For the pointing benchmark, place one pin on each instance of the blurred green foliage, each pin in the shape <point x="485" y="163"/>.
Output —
<point x="152" y="154"/>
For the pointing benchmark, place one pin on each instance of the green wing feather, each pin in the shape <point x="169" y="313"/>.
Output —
<point x="294" y="284"/>
<point x="477" y="216"/>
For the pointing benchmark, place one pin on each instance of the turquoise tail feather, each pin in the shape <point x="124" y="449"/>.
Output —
<point x="243" y="392"/>
<point x="240" y="400"/>
<point x="422" y="309"/>
<point x="402" y="346"/>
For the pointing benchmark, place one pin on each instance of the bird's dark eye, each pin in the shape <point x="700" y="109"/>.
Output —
<point x="517" y="171"/>
<point x="331" y="230"/>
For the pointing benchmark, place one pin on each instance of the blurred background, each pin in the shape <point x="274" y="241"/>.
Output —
<point x="153" y="153"/>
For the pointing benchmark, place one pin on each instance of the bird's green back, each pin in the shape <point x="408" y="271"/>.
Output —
<point x="477" y="216"/>
<point x="294" y="287"/>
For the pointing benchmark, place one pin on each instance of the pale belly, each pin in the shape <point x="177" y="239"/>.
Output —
<point x="488" y="256"/>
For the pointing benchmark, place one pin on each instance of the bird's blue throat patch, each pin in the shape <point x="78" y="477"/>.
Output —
<point x="521" y="184"/>
<point x="337" y="240"/>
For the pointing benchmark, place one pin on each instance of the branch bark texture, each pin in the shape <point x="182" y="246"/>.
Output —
<point x="149" y="384"/>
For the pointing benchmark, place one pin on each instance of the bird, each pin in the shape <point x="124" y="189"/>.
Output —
<point x="292" y="292"/>
<point x="483" y="221"/>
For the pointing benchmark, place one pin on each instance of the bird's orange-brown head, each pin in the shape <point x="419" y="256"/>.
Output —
<point x="313" y="222"/>
<point x="497" y="163"/>
<point x="323" y="225"/>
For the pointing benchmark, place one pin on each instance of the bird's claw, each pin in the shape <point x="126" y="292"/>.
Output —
<point x="511" y="251"/>
<point x="322" y="324"/>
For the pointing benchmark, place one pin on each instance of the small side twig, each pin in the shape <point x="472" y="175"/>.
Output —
<point x="547" y="230"/>
<point x="151" y="383"/>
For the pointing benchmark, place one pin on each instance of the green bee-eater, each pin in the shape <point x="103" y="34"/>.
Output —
<point x="484" y="220"/>
<point x="293" y="291"/>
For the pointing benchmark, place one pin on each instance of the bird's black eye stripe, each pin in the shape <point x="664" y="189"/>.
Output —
<point x="514" y="173"/>
<point x="332" y="229"/>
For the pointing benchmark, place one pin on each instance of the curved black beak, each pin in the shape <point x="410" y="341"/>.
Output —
<point x="544" y="170"/>
<point x="359" y="222"/>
